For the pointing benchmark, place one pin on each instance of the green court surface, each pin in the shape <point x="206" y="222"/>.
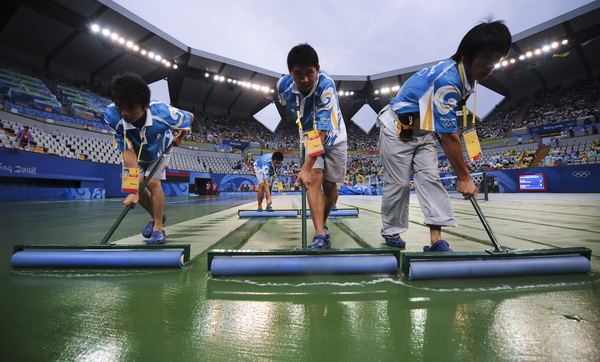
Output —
<point x="187" y="315"/>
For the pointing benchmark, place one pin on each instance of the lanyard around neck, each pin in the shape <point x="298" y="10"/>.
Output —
<point x="298" y="118"/>
<point x="463" y="78"/>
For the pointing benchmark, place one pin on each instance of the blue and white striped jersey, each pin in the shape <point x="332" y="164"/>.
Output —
<point x="320" y="109"/>
<point x="156" y="134"/>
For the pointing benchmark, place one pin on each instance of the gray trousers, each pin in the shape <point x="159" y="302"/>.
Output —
<point x="399" y="158"/>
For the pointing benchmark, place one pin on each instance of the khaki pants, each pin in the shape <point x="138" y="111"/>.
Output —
<point x="399" y="158"/>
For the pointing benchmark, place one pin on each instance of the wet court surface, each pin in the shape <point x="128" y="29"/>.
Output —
<point x="185" y="314"/>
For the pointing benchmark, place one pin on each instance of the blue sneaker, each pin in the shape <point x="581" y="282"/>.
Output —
<point x="269" y="208"/>
<point x="320" y="242"/>
<point x="157" y="237"/>
<point x="334" y="208"/>
<point x="440" y="245"/>
<point x="147" y="232"/>
<point x="259" y="209"/>
<point x="395" y="241"/>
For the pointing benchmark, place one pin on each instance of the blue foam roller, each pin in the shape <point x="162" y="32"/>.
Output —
<point x="339" y="213"/>
<point x="97" y="259"/>
<point x="504" y="267"/>
<point x="304" y="265"/>
<point x="267" y="214"/>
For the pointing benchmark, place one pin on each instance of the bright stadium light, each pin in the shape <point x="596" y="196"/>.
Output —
<point x="546" y="48"/>
<point x="131" y="45"/>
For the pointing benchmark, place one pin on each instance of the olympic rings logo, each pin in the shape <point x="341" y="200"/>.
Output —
<point x="581" y="174"/>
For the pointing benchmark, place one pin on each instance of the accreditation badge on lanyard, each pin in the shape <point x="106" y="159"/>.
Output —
<point x="130" y="176"/>
<point x="310" y="139"/>
<point x="312" y="143"/>
<point x="130" y="179"/>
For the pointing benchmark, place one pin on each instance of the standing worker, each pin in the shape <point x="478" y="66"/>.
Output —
<point x="310" y="94"/>
<point x="430" y="101"/>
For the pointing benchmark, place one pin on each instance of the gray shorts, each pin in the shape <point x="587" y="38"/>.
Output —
<point x="161" y="173"/>
<point x="333" y="163"/>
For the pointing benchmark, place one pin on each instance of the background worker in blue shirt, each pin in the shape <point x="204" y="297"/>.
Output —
<point x="265" y="167"/>
<point x="430" y="101"/>
<point x="142" y="130"/>
<point x="310" y="94"/>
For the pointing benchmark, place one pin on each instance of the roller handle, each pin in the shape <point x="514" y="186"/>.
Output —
<point x="486" y="226"/>
<point x="142" y="186"/>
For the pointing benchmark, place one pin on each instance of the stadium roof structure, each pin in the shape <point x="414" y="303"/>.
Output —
<point x="57" y="35"/>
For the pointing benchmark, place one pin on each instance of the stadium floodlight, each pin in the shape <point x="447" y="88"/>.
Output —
<point x="130" y="44"/>
<point x="529" y="54"/>
<point x="522" y="57"/>
<point x="546" y="48"/>
<point x="175" y="66"/>
<point x="538" y="51"/>
<point x="554" y="45"/>
<point x="206" y="75"/>
<point x="396" y="88"/>
<point x="565" y="42"/>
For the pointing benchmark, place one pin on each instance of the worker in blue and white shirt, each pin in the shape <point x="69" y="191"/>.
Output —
<point x="310" y="94"/>
<point x="265" y="167"/>
<point x="428" y="102"/>
<point x="142" y="131"/>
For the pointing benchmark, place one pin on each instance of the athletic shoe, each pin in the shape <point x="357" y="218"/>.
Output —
<point x="327" y="234"/>
<point x="438" y="246"/>
<point x="395" y="241"/>
<point x="320" y="242"/>
<point x="334" y="208"/>
<point x="269" y="208"/>
<point x="147" y="232"/>
<point x="157" y="237"/>
<point x="259" y="209"/>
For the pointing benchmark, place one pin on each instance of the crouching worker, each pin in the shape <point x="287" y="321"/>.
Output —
<point x="142" y="131"/>
<point x="265" y="167"/>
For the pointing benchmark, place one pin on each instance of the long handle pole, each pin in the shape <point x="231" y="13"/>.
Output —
<point x="128" y="207"/>
<point x="304" y="243"/>
<point x="486" y="226"/>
